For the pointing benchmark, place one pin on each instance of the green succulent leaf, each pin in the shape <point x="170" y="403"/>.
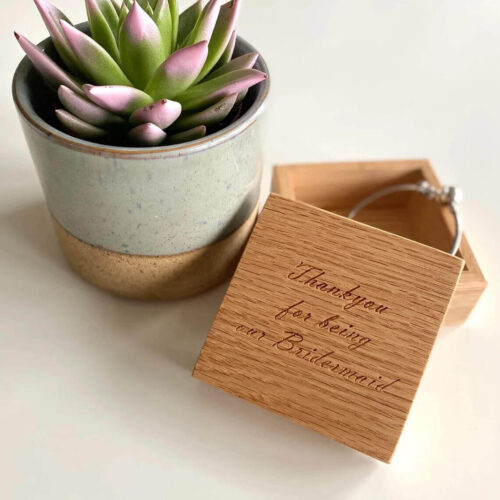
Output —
<point x="189" y="135"/>
<point x="148" y="69"/>
<point x="206" y="93"/>
<point x="141" y="46"/>
<point x="188" y="20"/>
<point x="206" y="23"/>
<point x="109" y="12"/>
<point x="163" y="20"/>
<point x="221" y="35"/>
<point x="124" y="10"/>
<point x="117" y="5"/>
<point x="78" y="127"/>
<point x="178" y="72"/>
<point x="101" y="30"/>
<point x="227" y="55"/>
<point x="210" y="116"/>
<point x="174" y="15"/>
<point x="98" y="64"/>
<point x="246" y="61"/>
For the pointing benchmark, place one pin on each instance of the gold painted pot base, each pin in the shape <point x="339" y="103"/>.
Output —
<point x="150" y="277"/>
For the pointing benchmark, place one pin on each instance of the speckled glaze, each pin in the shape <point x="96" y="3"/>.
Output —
<point x="159" y="201"/>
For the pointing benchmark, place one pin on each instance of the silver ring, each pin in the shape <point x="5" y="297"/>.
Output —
<point x="448" y="195"/>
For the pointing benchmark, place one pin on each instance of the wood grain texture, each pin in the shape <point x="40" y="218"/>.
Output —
<point x="330" y="322"/>
<point x="337" y="187"/>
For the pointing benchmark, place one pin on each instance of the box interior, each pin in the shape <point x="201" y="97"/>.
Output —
<point x="337" y="188"/>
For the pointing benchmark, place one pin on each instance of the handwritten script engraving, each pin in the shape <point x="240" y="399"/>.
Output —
<point x="332" y="324"/>
<point x="315" y="277"/>
<point x="293" y="343"/>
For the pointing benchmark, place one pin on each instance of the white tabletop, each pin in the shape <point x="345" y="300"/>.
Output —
<point x="96" y="395"/>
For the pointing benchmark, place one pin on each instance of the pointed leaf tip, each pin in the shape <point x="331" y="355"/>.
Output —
<point x="163" y="19"/>
<point x="141" y="46"/>
<point x="103" y="30"/>
<point x="178" y="72"/>
<point x="51" y="17"/>
<point x="246" y="61"/>
<point x="188" y="20"/>
<point x="206" y="23"/>
<point x="162" y="113"/>
<point x="221" y="35"/>
<point x="48" y="69"/>
<point x="118" y="99"/>
<point x="210" y="91"/>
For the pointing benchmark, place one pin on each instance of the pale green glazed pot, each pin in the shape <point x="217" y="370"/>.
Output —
<point x="161" y="222"/>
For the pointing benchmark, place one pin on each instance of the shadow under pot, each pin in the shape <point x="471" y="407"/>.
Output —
<point x="147" y="223"/>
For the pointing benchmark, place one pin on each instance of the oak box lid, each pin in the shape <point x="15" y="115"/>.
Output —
<point x="330" y="323"/>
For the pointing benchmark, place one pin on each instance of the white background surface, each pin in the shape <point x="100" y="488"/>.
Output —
<point x="96" y="395"/>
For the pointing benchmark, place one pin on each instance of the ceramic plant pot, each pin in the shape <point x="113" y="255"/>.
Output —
<point x="149" y="223"/>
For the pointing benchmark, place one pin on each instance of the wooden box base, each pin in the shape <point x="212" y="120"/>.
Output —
<point x="337" y="187"/>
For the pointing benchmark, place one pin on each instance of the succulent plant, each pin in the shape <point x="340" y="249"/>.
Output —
<point x="144" y="68"/>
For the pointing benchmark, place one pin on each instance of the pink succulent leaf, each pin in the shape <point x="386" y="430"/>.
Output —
<point x="141" y="46"/>
<point x="52" y="17"/>
<point x="221" y="35"/>
<point x="178" y="72"/>
<point x="227" y="55"/>
<point x="48" y="69"/>
<point x="206" y="93"/>
<point x="147" y="134"/>
<point x="209" y="116"/>
<point x="98" y="64"/>
<point x="188" y="135"/>
<point x="174" y="15"/>
<point x="188" y="20"/>
<point x="206" y="23"/>
<point x="118" y="99"/>
<point x="162" y="113"/>
<point x="163" y="20"/>
<point x="86" y="110"/>
<point x="101" y="30"/>
<point x="78" y="127"/>
<point x="246" y="61"/>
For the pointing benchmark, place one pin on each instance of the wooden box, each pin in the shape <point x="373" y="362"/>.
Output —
<point x="330" y="322"/>
<point x="337" y="187"/>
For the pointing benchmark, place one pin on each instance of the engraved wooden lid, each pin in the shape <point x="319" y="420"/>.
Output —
<point x="330" y="323"/>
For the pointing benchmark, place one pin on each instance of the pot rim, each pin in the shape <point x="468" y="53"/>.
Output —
<point x="53" y="134"/>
